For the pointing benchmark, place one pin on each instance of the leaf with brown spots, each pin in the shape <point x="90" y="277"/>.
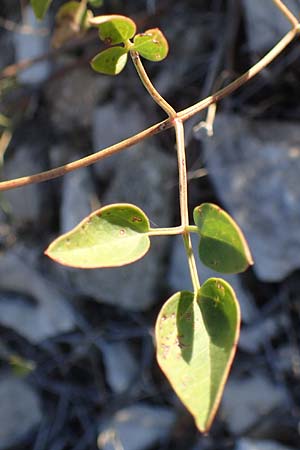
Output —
<point x="196" y="338"/>
<point x="110" y="237"/>
<point x="151" y="45"/>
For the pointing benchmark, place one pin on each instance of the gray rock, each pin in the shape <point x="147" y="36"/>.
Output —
<point x="254" y="336"/>
<point x="246" y="401"/>
<point x="288" y="358"/>
<point x="112" y="124"/>
<point x="179" y="276"/>
<point x="78" y="198"/>
<point x="255" y="168"/>
<point x="140" y="179"/>
<point x="138" y="427"/>
<point x="73" y="98"/>
<point x="32" y="45"/>
<point x="6" y="49"/>
<point x="120" y="365"/>
<point x="249" y="444"/>
<point x="265" y="23"/>
<point x="20" y="411"/>
<point x="24" y="204"/>
<point x="48" y="316"/>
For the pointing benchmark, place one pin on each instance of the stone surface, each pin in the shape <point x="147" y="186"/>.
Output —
<point x="32" y="45"/>
<point x="139" y="179"/>
<point x="78" y="198"/>
<point x="112" y="124"/>
<point x="265" y="23"/>
<point x="73" y="97"/>
<point x="137" y="427"/>
<point x="120" y="365"/>
<point x="249" y="444"/>
<point x="6" y="49"/>
<point x="247" y="401"/>
<point x="255" y="168"/>
<point x="254" y="336"/>
<point x="20" y="411"/>
<point x="25" y="204"/>
<point x="46" y="315"/>
<point x="179" y="277"/>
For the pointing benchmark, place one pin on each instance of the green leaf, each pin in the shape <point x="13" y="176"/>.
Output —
<point x="151" y="45"/>
<point x="110" y="237"/>
<point x="40" y="7"/>
<point x="222" y="245"/>
<point x="196" y="338"/>
<point x="96" y="3"/>
<point x="114" y="29"/>
<point x="111" y="61"/>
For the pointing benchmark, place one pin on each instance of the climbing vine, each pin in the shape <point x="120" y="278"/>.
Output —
<point x="196" y="331"/>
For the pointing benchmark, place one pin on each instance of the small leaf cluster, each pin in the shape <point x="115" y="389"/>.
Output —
<point x="118" y="234"/>
<point x="119" y="32"/>
<point x="196" y="332"/>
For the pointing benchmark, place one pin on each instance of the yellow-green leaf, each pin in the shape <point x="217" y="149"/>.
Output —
<point x="151" y="45"/>
<point x="114" y="29"/>
<point x="196" y="338"/>
<point x="222" y="244"/>
<point x="110" y="61"/>
<point x="113" y="236"/>
<point x="40" y="7"/>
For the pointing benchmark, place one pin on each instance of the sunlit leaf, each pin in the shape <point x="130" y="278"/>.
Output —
<point x="110" y="237"/>
<point x="114" y="29"/>
<point x="151" y="45"/>
<point x="40" y="7"/>
<point x="222" y="244"/>
<point x="196" y="338"/>
<point x="110" y="61"/>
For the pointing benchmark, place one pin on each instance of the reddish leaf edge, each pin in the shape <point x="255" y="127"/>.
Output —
<point x="214" y="410"/>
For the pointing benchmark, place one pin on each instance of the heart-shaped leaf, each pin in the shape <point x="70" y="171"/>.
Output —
<point x="114" y="29"/>
<point x="196" y="338"/>
<point x="222" y="245"/>
<point x="40" y="7"/>
<point x="151" y="45"/>
<point x="110" y="237"/>
<point x="111" y="61"/>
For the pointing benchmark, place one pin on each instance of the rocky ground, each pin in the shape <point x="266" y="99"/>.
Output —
<point x="77" y="360"/>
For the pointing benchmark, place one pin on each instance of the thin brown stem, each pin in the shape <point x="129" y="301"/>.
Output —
<point x="149" y="86"/>
<point x="13" y="69"/>
<point x="183" y="189"/>
<point x="287" y="12"/>
<point x="157" y="128"/>
<point x="83" y="162"/>
<point x="183" y="197"/>
<point x="191" y="261"/>
<point x="240" y="81"/>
